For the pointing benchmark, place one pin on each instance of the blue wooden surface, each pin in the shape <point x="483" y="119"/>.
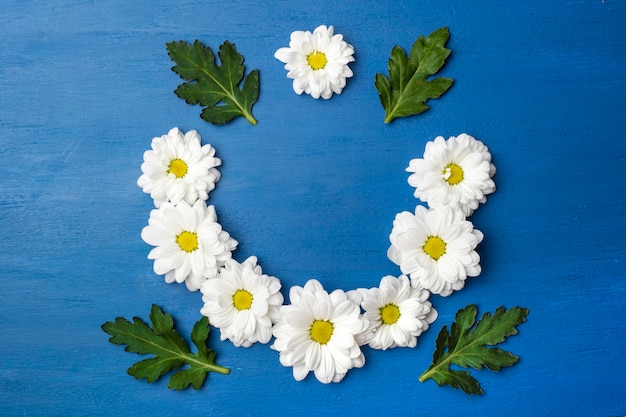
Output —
<point x="311" y="191"/>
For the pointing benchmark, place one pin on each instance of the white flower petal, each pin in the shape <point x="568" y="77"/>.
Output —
<point x="310" y="78"/>
<point x="413" y="308"/>
<point x="431" y="180"/>
<point x="328" y="359"/>
<point x="252" y="323"/>
<point x="441" y="274"/>
<point x="188" y="184"/>
<point x="182" y="261"/>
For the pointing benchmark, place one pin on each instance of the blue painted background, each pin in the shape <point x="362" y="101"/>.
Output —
<point x="311" y="191"/>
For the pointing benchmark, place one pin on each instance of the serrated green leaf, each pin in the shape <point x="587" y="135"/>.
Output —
<point x="384" y="90"/>
<point x="469" y="344"/>
<point x="463" y="321"/>
<point x="458" y="379"/>
<point x="406" y="90"/>
<point x="250" y="88"/>
<point x="220" y="115"/>
<point x="209" y="84"/>
<point x="440" y="344"/>
<point x="170" y="350"/>
<point x="153" y="368"/>
<point x="199" y="334"/>
<point x="399" y="71"/>
<point x="428" y="55"/>
<point x="197" y="94"/>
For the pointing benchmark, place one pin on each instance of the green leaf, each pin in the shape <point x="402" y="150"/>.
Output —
<point x="469" y="344"/>
<point x="459" y="379"/>
<point x="170" y="351"/>
<point x="209" y="84"/>
<point x="406" y="90"/>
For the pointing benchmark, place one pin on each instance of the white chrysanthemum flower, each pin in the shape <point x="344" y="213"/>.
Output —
<point x="317" y="62"/>
<point x="397" y="312"/>
<point x="436" y="248"/>
<point x="179" y="169"/>
<point x="190" y="244"/>
<point x="455" y="172"/>
<point x="318" y="332"/>
<point x="242" y="302"/>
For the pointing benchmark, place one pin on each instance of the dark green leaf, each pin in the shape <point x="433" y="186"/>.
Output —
<point x="469" y="344"/>
<point x="408" y="87"/>
<point x="199" y="333"/>
<point x="384" y="90"/>
<point x="441" y="344"/>
<point x="153" y="368"/>
<point x="459" y="379"/>
<point x="209" y="84"/>
<point x="170" y="351"/>
<point x="464" y="320"/>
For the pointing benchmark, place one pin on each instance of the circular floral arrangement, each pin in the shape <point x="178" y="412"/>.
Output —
<point x="318" y="331"/>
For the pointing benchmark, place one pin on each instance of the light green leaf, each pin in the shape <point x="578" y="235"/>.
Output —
<point x="467" y="345"/>
<point x="170" y="351"/>
<point x="209" y="84"/>
<point x="406" y="90"/>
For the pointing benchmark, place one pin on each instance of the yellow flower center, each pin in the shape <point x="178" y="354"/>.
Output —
<point x="453" y="174"/>
<point x="434" y="247"/>
<point x="178" y="167"/>
<point x="389" y="314"/>
<point x="321" y="331"/>
<point x="188" y="241"/>
<point x="242" y="300"/>
<point x="317" y="60"/>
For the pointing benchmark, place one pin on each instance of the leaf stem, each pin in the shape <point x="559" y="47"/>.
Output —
<point x="217" y="368"/>
<point x="250" y="118"/>
<point x="426" y="375"/>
